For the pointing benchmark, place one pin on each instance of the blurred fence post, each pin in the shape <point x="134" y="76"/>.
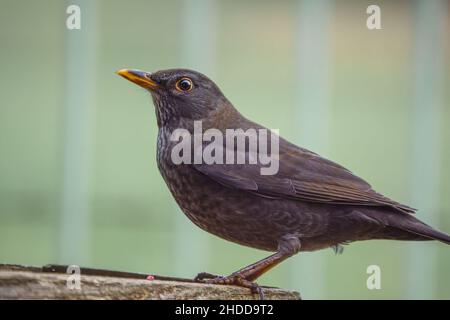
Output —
<point x="198" y="26"/>
<point x="313" y="24"/>
<point x="429" y="32"/>
<point x="78" y="104"/>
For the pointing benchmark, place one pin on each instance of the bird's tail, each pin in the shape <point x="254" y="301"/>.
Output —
<point x="414" y="226"/>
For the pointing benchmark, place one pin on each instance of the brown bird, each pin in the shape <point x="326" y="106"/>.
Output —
<point x="311" y="203"/>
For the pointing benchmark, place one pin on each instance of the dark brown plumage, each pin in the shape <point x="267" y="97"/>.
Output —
<point x="310" y="204"/>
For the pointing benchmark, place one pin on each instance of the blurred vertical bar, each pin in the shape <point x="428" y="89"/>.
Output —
<point x="425" y="155"/>
<point x="198" y="35"/>
<point x="313" y="64"/>
<point x="198" y="52"/>
<point x="79" y="95"/>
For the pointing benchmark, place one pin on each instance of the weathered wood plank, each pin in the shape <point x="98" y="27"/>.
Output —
<point x="19" y="282"/>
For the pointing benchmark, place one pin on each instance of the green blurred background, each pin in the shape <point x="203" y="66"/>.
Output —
<point x="78" y="176"/>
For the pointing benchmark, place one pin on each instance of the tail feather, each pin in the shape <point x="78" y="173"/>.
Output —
<point x="429" y="232"/>
<point x="413" y="225"/>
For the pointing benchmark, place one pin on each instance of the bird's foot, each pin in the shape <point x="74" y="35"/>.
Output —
<point x="205" y="275"/>
<point x="235" y="279"/>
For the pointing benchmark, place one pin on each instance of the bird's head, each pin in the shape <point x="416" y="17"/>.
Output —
<point x="179" y="94"/>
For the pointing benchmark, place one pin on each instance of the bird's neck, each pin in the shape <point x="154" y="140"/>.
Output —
<point x="223" y="117"/>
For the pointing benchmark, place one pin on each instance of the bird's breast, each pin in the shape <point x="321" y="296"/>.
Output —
<point x="232" y="214"/>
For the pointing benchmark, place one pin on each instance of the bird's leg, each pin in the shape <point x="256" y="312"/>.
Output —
<point x="245" y="277"/>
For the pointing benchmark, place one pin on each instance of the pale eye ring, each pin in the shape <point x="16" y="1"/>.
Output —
<point x="184" y="85"/>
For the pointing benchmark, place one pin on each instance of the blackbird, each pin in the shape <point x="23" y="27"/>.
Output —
<point x="310" y="203"/>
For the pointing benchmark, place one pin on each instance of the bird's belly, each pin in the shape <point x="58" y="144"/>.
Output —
<point x="246" y="218"/>
<point x="239" y="216"/>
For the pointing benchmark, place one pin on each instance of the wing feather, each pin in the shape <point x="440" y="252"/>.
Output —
<point x="303" y="176"/>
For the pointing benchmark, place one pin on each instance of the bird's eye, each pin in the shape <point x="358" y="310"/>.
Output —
<point x="184" y="84"/>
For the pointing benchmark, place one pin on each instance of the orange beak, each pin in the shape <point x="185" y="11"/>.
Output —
<point x="139" y="77"/>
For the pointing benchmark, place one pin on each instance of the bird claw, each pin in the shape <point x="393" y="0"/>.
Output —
<point x="205" y="275"/>
<point x="235" y="279"/>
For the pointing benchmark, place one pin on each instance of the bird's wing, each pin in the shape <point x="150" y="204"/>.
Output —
<point x="304" y="176"/>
